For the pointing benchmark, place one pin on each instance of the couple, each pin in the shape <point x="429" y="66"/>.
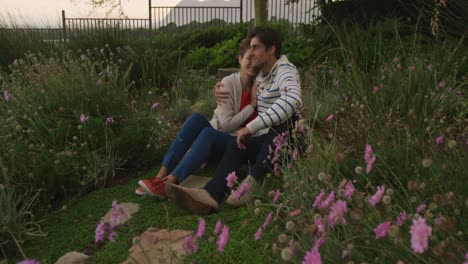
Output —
<point x="236" y="134"/>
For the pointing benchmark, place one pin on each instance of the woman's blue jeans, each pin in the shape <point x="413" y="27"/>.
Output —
<point x="195" y="143"/>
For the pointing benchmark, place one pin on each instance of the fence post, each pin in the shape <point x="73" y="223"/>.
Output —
<point x="64" y="25"/>
<point x="150" y="21"/>
<point x="241" y="8"/>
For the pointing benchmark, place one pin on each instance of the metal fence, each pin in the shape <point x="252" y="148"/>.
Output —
<point x="169" y="18"/>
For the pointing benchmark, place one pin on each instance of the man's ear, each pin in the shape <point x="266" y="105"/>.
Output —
<point x="239" y="58"/>
<point x="272" y="50"/>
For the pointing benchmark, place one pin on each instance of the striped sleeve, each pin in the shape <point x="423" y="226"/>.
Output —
<point x="277" y="107"/>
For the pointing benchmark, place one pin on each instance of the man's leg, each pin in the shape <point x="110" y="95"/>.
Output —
<point x="231" y="161"/>
<point x="207" y="200"/>
<point x="262" y="164"/>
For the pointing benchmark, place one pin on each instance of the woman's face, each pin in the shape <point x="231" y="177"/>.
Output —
<point x="246" y="65"/>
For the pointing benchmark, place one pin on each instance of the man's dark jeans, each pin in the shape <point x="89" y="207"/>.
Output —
<point x="258" y="148"/>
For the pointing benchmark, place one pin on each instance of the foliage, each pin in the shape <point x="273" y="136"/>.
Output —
<point x="62" y="119"/>
<point x="17" y="223"/>
<point x="404" y="102"/>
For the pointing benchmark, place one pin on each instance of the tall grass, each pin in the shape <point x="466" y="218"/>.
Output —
<point x="397" y="94"/>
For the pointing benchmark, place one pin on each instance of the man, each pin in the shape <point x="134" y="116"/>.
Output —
<point x="278" y="98"/>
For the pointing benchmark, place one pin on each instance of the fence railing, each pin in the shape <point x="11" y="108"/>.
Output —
<point x="168" y="18"/>
<point x="33" y="34"/>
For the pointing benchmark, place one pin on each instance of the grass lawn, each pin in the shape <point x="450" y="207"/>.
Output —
<point x="72" y="229"/>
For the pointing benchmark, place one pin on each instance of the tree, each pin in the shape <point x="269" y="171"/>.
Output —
<point x="109" y="5"/>
<point x="261" y="12"/>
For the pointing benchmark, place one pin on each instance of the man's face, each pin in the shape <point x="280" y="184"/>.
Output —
<point x="260" y="55"/>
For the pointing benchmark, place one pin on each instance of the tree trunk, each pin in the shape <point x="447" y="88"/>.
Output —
<point x="261" y="13"/>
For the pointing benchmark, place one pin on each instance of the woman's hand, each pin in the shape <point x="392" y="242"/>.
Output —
<point x="221" y="96"/>
<point x="253" y="94"/>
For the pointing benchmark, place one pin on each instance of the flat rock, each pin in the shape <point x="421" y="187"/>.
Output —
<point x="73" y="258"/>
<point x="158" y="246"/>
<point x="195" y="181"/>
<point x="223" y="72"/>
<point x="128" y="209"/>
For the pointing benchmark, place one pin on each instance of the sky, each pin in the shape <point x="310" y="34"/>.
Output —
<point x="47" y="13"/>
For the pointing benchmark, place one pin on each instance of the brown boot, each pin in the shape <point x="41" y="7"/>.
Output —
<point x="198" y="201"/>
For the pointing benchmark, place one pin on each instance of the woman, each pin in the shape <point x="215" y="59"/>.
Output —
<point x="198" y="139"/>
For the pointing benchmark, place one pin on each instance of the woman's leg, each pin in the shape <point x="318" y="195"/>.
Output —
<point x="208" y="143"/>
<point x="182" y="142"/>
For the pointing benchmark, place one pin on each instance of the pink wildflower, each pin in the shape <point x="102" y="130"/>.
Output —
<point x="279" y="209"/>
<point x="319" y="198"/>
<point x="420" y="233"/>
<point x="328" y="201"/>
<point x="277" y="195"/>
<point x="6" y="95"/>
<point x="329" y="118"/>
<point x="337" y="211"/>
<point x="190" y="245"/>
<point x="369" y="157"/>
<point x="382" y="229"/>
<point x="294" y="154"/>
<point x="320" y="226"/>
<point x="439" y="140"/>
<point x="100" y="231"/>
<point x="401" y="218"/>
<point x="291" y="245"/>
<point x="201" y="227"/>
<point x="154" y="105"/>
<point x="29" y="261"/>
<point x="267" y="220"/>
<point x="217" y="227"/>
<point x="243" y="189"/>
<point x="312" y="257"/>
<point x="83" y="118"/>
<point x="319" y="242"/>
<point x="112" y="234"/>
<point x="295" y="212"/>
<point x="375" y="199"/>
<point x="421" y="208"/>
<point x="438" y="220"/>
<point x="109" y="120"/>
<point x="116" y="214"/>
<point x="231" y="179"/>
<point x="258" y="234"/>
<point x="375" y="89"/>
<point x="223" y="239"/>
<point x="349" y="189"/>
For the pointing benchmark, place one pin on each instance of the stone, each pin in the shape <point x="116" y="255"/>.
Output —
<point x="128" y="209"/>
<point x="73" y="258"/>
<point x="223" y="72"/>
<point x="158" y="246"/>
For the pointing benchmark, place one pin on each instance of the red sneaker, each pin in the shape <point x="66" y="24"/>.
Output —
<point x="154" y="187"/>
<point x="140" y="191"/>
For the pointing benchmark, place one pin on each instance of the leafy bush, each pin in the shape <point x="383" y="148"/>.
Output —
<point x="62" y="119"/>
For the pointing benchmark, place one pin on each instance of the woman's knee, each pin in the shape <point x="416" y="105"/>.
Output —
<point x="197" y="117"/>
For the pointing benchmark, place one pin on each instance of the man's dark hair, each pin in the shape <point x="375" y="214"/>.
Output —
<point x="268" y="37"/>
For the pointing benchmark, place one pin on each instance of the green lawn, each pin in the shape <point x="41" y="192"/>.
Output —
<point x="72" y="229"/>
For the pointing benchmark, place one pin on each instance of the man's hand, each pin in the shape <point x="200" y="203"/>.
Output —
<point x="241" y="135"/>
<point x="221" y="96"/>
